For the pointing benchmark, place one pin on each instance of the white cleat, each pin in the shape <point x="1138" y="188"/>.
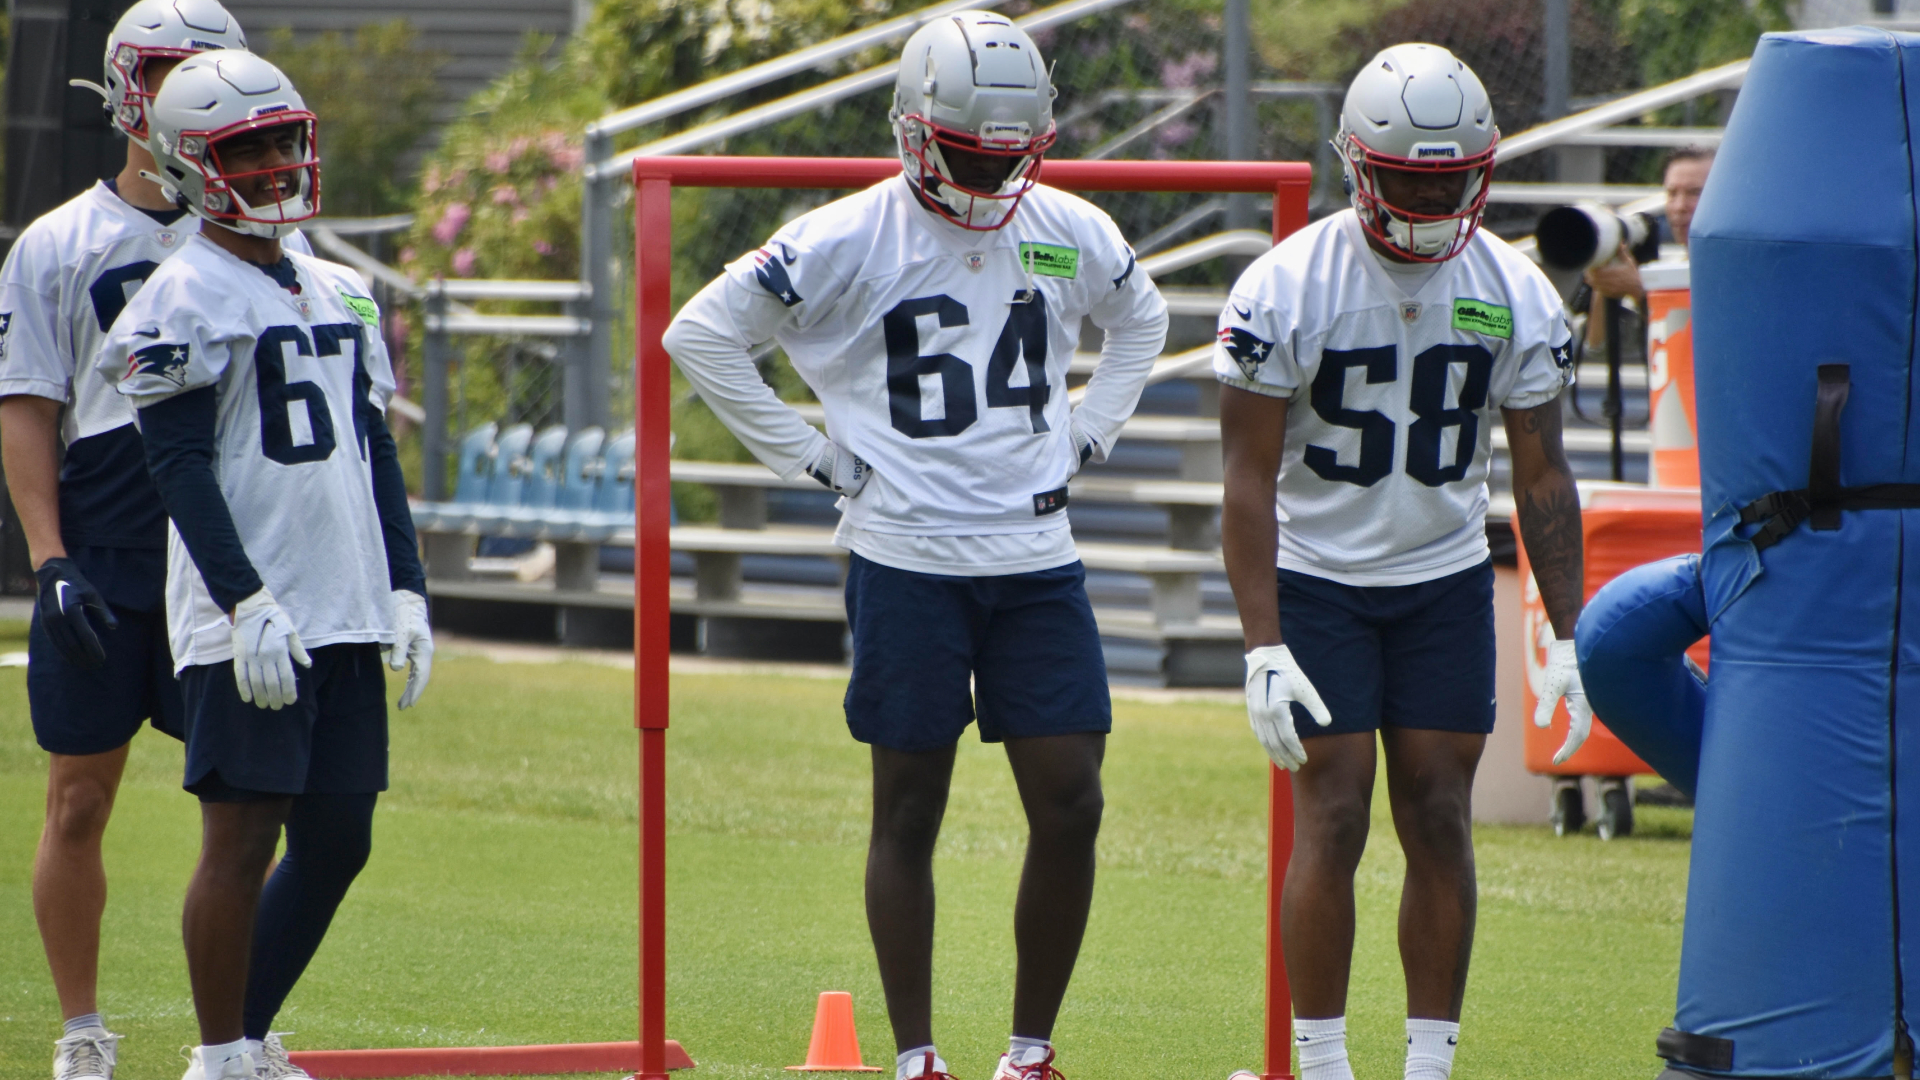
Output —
<point x="87" y="1054"/>
<point x="274" y="1063"/>
<point x="234" y="1068"/>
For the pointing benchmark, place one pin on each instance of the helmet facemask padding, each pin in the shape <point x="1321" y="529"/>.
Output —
<point x="297" y="182"/>
<point x="980" y="211"/>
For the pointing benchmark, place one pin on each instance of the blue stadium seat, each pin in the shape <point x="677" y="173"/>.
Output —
<point x="470" y="485"/>
<point x="542" y="484"/>
<point x="510" y="468"/>
<point x="581" y="469"/>
<point x="612" y="508"/>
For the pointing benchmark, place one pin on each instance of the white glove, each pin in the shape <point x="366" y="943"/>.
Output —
<point x="1274" y="683"/>
<point x="412" y="644"/>
<point x="1563" y="680"/>
<point x="265" y="648"/>
<point x="840" y="469"/>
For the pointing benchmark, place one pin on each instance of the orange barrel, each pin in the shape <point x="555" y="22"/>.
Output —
<point x="1675" y="456"/>
<point x="1624" y="526"/>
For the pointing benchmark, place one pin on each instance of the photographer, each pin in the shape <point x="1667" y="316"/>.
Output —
<point x="1684" y="177"/>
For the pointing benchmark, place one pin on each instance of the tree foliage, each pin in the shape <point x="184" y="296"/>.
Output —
<point x="374" y="93"/>
<point x="1675" y="38"/>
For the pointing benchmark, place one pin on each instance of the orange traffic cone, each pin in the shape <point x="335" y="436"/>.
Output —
<point x="835" y="1048"/>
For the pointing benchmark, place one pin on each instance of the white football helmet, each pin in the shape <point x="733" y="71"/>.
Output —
<point x="214" y="97"/>
<point x="972" y="81"/>
<point x="1417" y="108"/>
<point x="156" y="29"/>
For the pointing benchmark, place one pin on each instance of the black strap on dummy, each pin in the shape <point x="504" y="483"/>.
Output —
<point x="1697" y="1051"/>
<point x="1823" y="471"/>
<point x="1821" y="501"/>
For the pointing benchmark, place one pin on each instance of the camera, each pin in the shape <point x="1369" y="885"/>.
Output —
<point x="1587" y="235"/>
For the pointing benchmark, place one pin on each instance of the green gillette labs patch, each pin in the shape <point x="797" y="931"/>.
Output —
<point x="1050" y="259"/>
<point x="368" y="311"/>
<point x="1480" y="317"/>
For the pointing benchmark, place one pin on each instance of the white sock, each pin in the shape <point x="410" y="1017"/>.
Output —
<point x="1323" y="1049"/>
<point x="1023" y="1051"/>
<point x="911" y="1063"/>
<point x="1430" y="1046"/>
<point x="82" y="1023"/>
<point x="254" y="1047"/>
<point x="213" y="1059"/>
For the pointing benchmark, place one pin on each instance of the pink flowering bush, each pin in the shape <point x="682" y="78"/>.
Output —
<point x="500" y="197"/>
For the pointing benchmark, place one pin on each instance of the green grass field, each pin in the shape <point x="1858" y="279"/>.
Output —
<point x="499" y="906"/>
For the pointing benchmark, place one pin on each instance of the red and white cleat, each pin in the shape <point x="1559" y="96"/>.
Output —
<point x="1037" y="1069"/>
<point x="932" y="1068"/>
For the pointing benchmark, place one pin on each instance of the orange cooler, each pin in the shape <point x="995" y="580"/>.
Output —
<point x="1624" y="526"/>
<point x="1675" y="456"/>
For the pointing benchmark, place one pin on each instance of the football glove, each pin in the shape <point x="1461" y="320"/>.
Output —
<point x="840" y="469"/>
<point x="265" y="648"/>
<point x="66" y="599"/>
<point x="412" y="646"/>
<point x="1563" y="680"/>
<point x="1274" y="684"/>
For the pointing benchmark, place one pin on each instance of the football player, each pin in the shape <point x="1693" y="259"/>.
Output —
<point x="260" y="383"/>
<point x="934" y="314"/>
<point x="1366" y="359"/>
<point x="95" y="528"/>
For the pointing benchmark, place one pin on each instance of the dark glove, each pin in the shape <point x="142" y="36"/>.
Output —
<point x="66" y="596"/>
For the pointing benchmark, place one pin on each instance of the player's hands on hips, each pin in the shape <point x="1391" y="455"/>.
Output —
<point x="265" y="648"/>
<point x="412" y="646"/>
<point x="1274" y="683"/>
<point x="840" y="469"/>
<point x="68" y="605"/>
<point x="1563" y="680"/>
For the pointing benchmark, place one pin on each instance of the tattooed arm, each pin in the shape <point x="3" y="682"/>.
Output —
<point x="1549" y="509"/>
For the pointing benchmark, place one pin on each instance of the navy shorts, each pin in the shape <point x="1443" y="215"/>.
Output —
<point x="331" y="741"/>
<point x="91" y="711"/>
<point x="930" y="651"/>
<point x="1406" y="656"/>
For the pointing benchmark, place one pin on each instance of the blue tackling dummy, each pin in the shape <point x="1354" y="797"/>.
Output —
<point x="1803" y="907"/>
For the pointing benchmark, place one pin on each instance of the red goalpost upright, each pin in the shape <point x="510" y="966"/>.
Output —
<point x="654" y="180"/>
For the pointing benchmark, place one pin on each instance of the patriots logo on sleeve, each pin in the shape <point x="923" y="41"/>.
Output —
<point x="6" y="324"/>
<point x="1247" y="351"/>
<point x="1125" y="275"/>
<point x="1563" y="354"/>
<point x="163" y="361"/>
<point x="770" y="269"/>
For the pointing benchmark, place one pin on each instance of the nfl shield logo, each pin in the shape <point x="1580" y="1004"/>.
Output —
<point x="306" y="309"/>
<point x="166" y="237"/>
<point x="976" y="260"/>
<point x="1410" y="311"/>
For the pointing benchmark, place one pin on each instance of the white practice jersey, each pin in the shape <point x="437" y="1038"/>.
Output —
<point x="940" y="357"/>
<point x="289" y="455"/>
<point x="67" y="278"/>
<point x="1393" y="396"/>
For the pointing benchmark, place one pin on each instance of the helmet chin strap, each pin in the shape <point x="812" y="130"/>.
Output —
<point x="290" y="210"/>
<point x="1422" y="238"/>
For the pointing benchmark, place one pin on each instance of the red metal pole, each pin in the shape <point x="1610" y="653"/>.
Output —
<point x="653" y="492"/>
<point x="1289" y="214"/>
